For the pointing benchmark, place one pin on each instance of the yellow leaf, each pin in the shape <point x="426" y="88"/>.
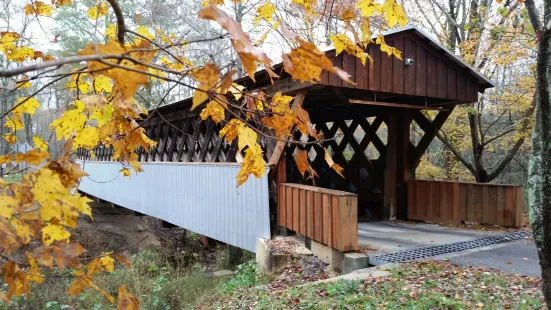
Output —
<point x="343" y="43"/>
<point x="125" y="172"/>
<point x="107" y="263"/>
<point x="29" y="106"/>
<point x="39" y="9"/>
<point x="145" y="32"/>
<point x="5" y="159"/>
<point x="308" y="5"/>
<point x="11" y="138"/>
<point x="93" y="13"/>
<point x="247" y="137"/>
<point x="102" y="84"/>
<point x="394" y="13"/>
<point x="348" y="15"/>
<point x="69" y="122"/>
<point x="52" y="232"/>
<point x="368" y="7"/>
<point x="77" y="286"/>
<point x="206" y="3"/>
<point x="126" y="82"/>
<point x="207" y="77"/>
<point x="127" y="301"/>
<point x="388" y="49"/>
<point x="32" y="157"/>
<point x="7" y="41"/>
<point x="14" y="121"/>
<point x="231" y="129"/>
<point x="98" y="11"/>
<point x="34" y="273"/>
<point x="111" y="31"/>
<point x="81" y="204"/>
<point x="158" y="73"/>
<point x="21" y="229"/>
<point x="214" y="110"/>
<point x="280" y="103"/>
<point x="21" y="54"/>
<point x="236" y="90"/>
<point x="306" y="62"/>
<point x="332" y="164"/>
<point x="253" y="163"/>
<point x="40" y="144"/>
<point x="6" y="206"/>
<point x="86" y="138"/>
<point x="264" y="12"/>
<point x="366" y="35"/>
<point x="59" y="3"/>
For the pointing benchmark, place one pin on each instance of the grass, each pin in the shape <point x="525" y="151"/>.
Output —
<point x="155" y="279"/>
<point x="431" y="285"/>
<point x="426" y="285"/>
<point x="151" y="278"/>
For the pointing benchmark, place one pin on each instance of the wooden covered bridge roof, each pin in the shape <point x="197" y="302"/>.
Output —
<point x="437" y="77"/>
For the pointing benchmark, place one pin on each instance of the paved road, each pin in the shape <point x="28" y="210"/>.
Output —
<point x="389" y="236"/>
<point x="518" y="257"/>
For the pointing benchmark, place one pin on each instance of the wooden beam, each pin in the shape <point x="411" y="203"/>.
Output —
<point x="280" y="146"/>
<point x="286" y="86"/>
<point x="430" y="129"/>
<point x="396" y="105"/>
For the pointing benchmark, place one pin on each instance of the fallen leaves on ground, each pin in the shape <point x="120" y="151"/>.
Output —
<point x="422" y="285"/>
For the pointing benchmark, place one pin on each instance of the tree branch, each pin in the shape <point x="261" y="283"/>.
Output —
<point x="121" y="28"/>
<point x="510" y="155"/>
<point x="534" y="15"/>
<point x="497" y="137"/>
<point x="456" y="153"/>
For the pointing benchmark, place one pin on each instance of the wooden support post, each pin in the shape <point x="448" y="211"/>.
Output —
<point x="398" y="169"/>
<point x="403" y="171"/>
<point x="205" y="241"/>
<point x="389" y="201"/>
<point x="281" y="177"/>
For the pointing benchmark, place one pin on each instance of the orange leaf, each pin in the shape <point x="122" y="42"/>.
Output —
<point x="126" y="300"/>
<point x="332" y="164"/>
<point x="123" y="260"/>
<point x="302" y="161"/>
<point x="243" y="45"/>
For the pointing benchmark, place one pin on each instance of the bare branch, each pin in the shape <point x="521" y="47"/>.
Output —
<point x="121" y="28"/>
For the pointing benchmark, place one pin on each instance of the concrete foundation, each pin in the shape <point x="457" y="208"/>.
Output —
<point x="268" y="262"/>
<point x="354" y="261"/>
<point x="340" y="262"/>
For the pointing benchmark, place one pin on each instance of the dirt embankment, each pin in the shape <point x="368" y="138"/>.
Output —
<point x="118" y="229"/>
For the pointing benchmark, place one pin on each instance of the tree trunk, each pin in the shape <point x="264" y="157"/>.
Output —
<point x="539" y="180"/>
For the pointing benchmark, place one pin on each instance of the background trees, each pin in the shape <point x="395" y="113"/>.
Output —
<point x="482" y="141"/>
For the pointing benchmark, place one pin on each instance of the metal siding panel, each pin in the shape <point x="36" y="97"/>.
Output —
<point x="199" y="197"/>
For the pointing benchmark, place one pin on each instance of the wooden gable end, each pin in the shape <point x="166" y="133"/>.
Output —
<point x="432" y="73"/>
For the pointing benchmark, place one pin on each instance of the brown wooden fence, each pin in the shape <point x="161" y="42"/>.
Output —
<point x="324" y="215"/>
<point x="454" y="202"/>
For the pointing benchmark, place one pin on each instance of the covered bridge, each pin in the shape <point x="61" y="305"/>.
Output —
<point x="189" y="179"/>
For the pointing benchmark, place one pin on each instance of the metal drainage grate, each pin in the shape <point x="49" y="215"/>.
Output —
<point x="435" y="250"/>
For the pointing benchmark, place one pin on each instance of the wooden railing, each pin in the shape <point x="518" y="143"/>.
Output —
<point x="324" y="215"/>
<point x="454" y="202"/>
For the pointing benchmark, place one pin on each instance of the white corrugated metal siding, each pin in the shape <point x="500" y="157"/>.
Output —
<point x="201" y="197"/>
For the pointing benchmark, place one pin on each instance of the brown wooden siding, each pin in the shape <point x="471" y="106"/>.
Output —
<point x="431" y="75"/>
<point x="326" y="216"/>
<point x="454" y="202"/>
